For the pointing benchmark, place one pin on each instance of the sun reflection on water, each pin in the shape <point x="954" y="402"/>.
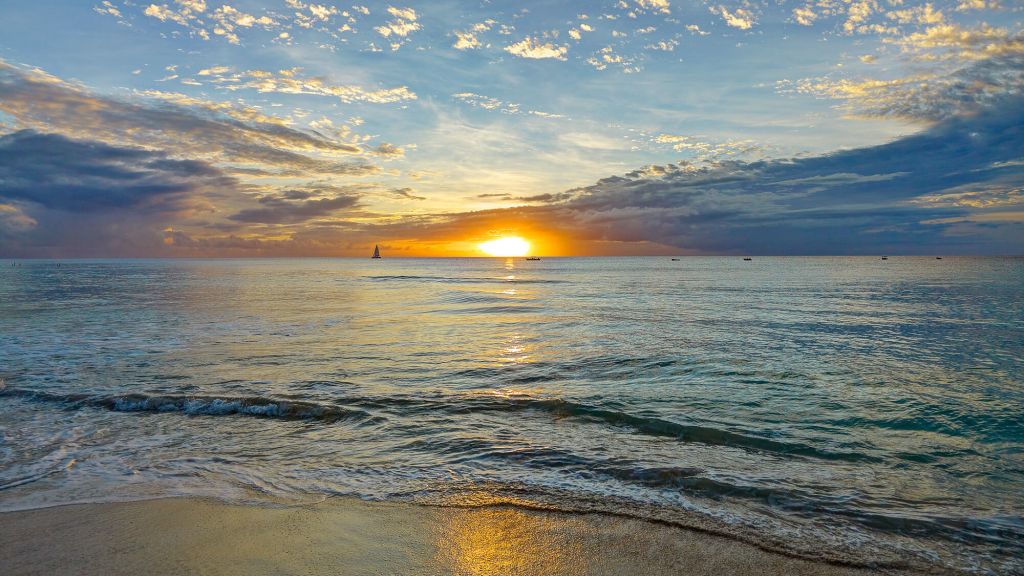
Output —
<point x="507" y="541"/>
<point x="514" y="350"/>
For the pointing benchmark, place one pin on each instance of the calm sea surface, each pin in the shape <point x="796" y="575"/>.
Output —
<point x="846" y="408"/>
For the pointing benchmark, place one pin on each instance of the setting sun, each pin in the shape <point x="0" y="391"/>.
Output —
<point x="506" y="247"/>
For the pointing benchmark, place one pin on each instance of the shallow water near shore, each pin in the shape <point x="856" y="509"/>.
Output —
<point x="848" y="409"/>
<point x="356" y="538"/>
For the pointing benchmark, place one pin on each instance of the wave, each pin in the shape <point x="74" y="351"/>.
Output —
<point x="700" y="486"/>
<point x="709" y="486"/>
<point x="685" y="432"/>
<point x="800" y="542"/>
<point x="36" y="476"/>
<point x="641" y="424"/>
<point x="405" y="406"/>
<point x="256" y="406"/>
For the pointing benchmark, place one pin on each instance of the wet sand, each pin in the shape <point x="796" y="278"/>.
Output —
<point x="352" y="537"/>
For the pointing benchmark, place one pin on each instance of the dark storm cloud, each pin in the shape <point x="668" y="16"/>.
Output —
<point x="904" y="196"/>
<point x="546" y="197"/>
<point x="957" y="187"/>
<point x="189" y="127"/>
<point x="284" y="209"/>
<point x="405" y="194"/>
<point x="315" y="200"/>
<point x="82" y="176"/>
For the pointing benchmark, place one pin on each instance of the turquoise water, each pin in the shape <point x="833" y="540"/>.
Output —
<point x="851" y="409"/>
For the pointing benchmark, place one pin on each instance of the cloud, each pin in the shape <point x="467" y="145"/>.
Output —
<point x="531" y="48"/>
<point x="390" y="150"/>
<point x="488" y="103"/>
<point x="405" y="194"/>
<point x="659" y="6"/>
<point x="955" y="187"/>
<point x="85" y="174"/>
<point x="322" y="12"/>
<point x="467" y="39"/>
<point x="664" y="45"/>
<point x="928" y="96"/>
<point x="187" y="14"/>
<point x="79" y="197"/>
<point x="904" y="196"/>
<point x="194" y="5"/>
<point x="593" y="141"/>
<point x="804" y="15"/>
<point x="43" y="102"/>
<point x="607" y="56"/>
<point x="956" y="70"/>
<point x="703" y="150"/>
<point x="965" y="5"/>
<point x="14" y="221"/>
<point x="212" y="131"/>
<point x="952" y="41"/>
<point x="739" y="18"/>
<point x="399" y="28"/>
<point x="237" y="111"/>
<point x="402" y="13"/>
<point x="316" y="201"/>
<point x="163" y="13"/>
<point x="108" y="8"/>
<point x="292" y="82"/>
<point x="284" y="208"/>
<point x="225" y="19"/>
<point x="58" y="173"/>
<point x="228" y="19"/>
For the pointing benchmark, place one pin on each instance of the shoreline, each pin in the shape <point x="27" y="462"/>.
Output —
<point x="341" y="535"/>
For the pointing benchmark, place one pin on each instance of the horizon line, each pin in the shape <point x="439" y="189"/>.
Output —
<point x="260" y="257"/>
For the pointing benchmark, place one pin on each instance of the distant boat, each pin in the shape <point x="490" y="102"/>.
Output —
<point x="675" y="259"/>
<point x="533" y="258"/>
<point x="885" y="258"/>
<point x="748" y="259"/>
<point x="376" y="252"/>
<point x="938" y="257"/>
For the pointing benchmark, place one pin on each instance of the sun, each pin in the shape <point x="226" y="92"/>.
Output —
<point x="506" y="247"/>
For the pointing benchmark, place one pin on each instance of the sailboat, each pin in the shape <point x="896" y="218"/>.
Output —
<point x="376" y="252"/>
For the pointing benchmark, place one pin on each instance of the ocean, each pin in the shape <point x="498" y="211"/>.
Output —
<point x="850" y="409"/>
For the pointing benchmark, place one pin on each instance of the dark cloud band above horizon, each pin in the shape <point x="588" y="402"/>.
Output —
<point x="955" y="187"/>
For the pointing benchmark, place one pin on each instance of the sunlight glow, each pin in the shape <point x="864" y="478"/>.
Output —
<point x="506" y="247"/>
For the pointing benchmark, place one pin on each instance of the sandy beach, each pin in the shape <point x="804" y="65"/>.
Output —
<point x="352" y="537"/>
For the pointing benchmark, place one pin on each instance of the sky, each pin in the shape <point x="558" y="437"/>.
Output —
<point x="198" y="128"/>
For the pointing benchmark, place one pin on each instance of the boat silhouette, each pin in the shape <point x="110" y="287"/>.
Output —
<point x="376" y="252"/>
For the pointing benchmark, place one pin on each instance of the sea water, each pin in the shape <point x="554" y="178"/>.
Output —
<point x="850" y="409"/>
